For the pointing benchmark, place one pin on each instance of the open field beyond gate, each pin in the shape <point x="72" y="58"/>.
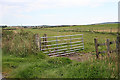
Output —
<point x="22" y="58"/>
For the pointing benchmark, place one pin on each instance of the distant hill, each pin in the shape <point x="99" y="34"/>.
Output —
<point x="45" y="26"/>
<point x="106" y="23"/>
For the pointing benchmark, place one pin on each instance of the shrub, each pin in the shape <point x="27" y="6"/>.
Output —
<point x="21" y="43"/>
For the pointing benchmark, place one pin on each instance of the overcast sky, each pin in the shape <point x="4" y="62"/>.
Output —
<point x="57" y="12"/>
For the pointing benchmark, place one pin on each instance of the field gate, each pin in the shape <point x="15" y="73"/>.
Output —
<point x="61" y="45"/>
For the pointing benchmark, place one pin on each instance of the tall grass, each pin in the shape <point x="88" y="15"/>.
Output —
<point x="21" y="43"/>
<point x="59" y="67"/>
<point x="28" y="65"/>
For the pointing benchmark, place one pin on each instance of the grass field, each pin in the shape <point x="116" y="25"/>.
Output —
<point x="22" y="59"/>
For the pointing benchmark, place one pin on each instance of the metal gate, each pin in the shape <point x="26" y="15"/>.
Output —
<point x="61" y="45"/>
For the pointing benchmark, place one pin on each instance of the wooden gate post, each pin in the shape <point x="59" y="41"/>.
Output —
<point x="45" y="39"/>
<point x="118" y="46"/>
<point x="70" y="43"/>
<point x="37" y="40"/>
<point x="96" y="48"/>
<point x="40" y="44"/>
<point x="118" y="53"/>
<point x="57" y="46"/>
<point x="43" y="43"/>
<point x="83" y="41"/>
<point x="108" y="47"/>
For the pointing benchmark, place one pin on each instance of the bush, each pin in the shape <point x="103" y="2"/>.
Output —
<point x="21" y="43"/>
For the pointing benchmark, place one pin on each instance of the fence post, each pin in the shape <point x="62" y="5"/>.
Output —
<point x="70" y="43"/>
<point x="40" y="43"/>
<point x="96" y="47"/>
<point x="118" y="53"/>
<point x="108" y="46"/>
<point x="37" y="40"/>
<point x="43" y="42"/>
<point x="57" y="45"/>
<point x="45" y="35"/>
<point x="83" y="41"/>
<point x="118" y="46"/>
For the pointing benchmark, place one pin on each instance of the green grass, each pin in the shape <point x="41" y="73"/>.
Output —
<point x="22" y="43"/>
<point x="42" y="66"/>
<point x="103" y="27"/>
<point x="25" y="41"/>
<point x="88" y="37"/>
<point x="22" y="59"/>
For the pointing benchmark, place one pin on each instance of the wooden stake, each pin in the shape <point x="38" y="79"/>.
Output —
<point x="40" y="44"/>
<point x="108" y="47"/>
<point x="43" y="42"/>
<point x="37" y="40"/>
<point x="118" y="53"/>
<point x="96" y="48"/>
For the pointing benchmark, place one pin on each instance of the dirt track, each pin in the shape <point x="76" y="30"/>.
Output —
<point x="80" y="56"/>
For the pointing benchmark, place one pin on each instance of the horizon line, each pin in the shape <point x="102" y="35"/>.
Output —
<point x="59" y="24"/>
